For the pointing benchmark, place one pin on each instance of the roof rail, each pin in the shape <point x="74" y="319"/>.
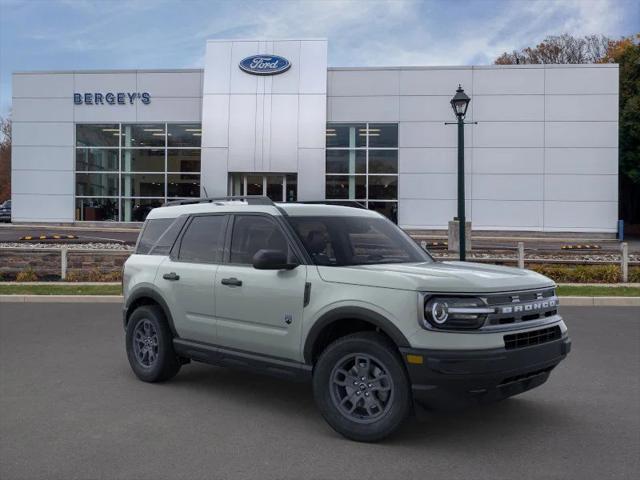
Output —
<point x="250" y="199"/>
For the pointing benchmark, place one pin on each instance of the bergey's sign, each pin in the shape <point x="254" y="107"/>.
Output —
<point x="110" y="98"/>
<point x="265" y="64"/>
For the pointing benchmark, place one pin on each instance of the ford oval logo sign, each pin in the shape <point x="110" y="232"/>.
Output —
<point x="265" y="64"/>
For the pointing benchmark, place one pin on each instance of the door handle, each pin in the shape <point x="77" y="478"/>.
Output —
<point x="171" y="276"/>
<point x="231" y="282"/>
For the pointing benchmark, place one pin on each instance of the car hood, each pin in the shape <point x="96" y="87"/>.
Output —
<point x="460" y="277"/>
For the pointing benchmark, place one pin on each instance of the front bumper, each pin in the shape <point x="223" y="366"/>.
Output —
<point x="449" y="379"/>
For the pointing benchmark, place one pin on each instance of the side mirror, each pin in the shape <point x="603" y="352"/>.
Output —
<point x="272" y="260"/>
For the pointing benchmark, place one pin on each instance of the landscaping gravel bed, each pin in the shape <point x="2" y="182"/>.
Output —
<point x="69" y="246"/>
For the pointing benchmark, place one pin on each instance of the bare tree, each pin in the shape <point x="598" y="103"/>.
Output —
<point x="5" y="158"/>
<point x="563" y="48"/>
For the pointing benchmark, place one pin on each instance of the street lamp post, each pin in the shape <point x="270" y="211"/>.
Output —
<point x="460" y="103"/>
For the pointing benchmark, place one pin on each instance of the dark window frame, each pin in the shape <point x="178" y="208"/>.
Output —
<point x="174" y="254"/>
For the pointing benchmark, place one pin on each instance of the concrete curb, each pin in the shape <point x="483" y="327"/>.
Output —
<point x="599" y="301"/>
<point x="564" y="301"/>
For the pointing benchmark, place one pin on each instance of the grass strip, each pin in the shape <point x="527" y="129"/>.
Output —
<point x="597" y="291"/>
<point x="54" y="289"/>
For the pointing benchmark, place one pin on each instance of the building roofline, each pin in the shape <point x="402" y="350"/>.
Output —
<point x="117" y="70"/>
<point x="479" y="67"/>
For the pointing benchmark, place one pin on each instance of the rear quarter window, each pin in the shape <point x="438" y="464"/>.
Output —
<point x="152" y="232"/>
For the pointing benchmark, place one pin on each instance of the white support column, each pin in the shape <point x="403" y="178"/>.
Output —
<point x="63" y="263"/>
<point x="625" y="262"/>
<point x="520" y="254"/>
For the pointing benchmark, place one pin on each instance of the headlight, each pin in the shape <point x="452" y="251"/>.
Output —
<point x="454" y="313"/>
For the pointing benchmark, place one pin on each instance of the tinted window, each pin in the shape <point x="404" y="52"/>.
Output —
<point x="203" y="240"/>
<point x="343" y="241"/>
<point x="252" y="233"/>
<point x="168" y="238"/>
<point x="151" y="233"/>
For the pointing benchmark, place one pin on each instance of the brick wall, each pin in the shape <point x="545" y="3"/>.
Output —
<point x="46" y="264"/>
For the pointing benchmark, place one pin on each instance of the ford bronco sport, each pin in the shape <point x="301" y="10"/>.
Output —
<point x="340" y="296"/>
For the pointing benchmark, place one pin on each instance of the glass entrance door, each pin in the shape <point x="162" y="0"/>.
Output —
<point x="279" y="187"/>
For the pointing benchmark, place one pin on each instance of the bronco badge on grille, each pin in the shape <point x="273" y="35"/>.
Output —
<point x="529" y="307"/>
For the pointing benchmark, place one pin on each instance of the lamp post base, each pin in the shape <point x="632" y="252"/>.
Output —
<point x="454" y="236"/>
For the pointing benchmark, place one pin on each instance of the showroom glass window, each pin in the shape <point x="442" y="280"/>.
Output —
<point x="124" y="170"/>
<point x="362" y="165"/>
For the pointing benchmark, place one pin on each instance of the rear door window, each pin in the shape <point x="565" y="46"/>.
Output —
<point x="203" y="239"/>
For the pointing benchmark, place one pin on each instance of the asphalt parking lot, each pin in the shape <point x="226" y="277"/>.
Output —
<point x="70" y="408"/>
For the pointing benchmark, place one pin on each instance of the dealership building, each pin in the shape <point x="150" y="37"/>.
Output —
<point x="271" y="118"/>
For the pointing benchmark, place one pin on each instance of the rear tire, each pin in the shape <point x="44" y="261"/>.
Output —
<point x="361" y="388"/>
<point x="149" y="344"/>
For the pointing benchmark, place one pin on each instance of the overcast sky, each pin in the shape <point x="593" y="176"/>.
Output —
<point x="105" y="34"/>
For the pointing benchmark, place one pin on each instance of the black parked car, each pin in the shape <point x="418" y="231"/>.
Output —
<point x="5" y="211"/>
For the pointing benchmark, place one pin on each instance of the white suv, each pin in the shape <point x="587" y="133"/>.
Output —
<point x="340" y="296"/>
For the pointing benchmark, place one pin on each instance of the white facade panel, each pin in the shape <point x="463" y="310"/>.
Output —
<point x="171" y="110"/>
<point x="431" y="81"/>
<point x="428" y="108"/>
<point x="312" y="121"/>
<point x="43" y="158"/>
<point x="430" y="134"/>
<point x="508" y="81"/>
<point x="42" y="208"/>
<point x="355" y="83"/>
<point x="42" y="110"/>
<point x="581" y="216"/>
<point x="284" y="128"/>
<point x="508" y="108"/>
<point x="288" y="82"/>
<point x="594" y="161"/>
<point x="213" y="174"/>
<point x="311" y="168"/>
<point x="347" y="109"/>
<point x="428" y="213"/>
<point x="242" y="133"/>
<point x="171" y="84"/>
<point x="216" y="133"/>
<point x="509" y="134"/>
<point x="44" y="182"/>
<point x="43" y="85"/>
<point x="241" y="82"/>
<point x="507" y="187"/>
<point x="431" y="186"/>
<point x="500" y="214"/>
<point x="600" y="188"/>
<point x="589" y="80"/>
<point x="508" y="160"/>
<point x="581" y="108"/>
<point x="217" y="79"/>
<point x="106" y="82"/>
<point x="582" y="134"/>
<point x="432" y="160"/>
<point x="105" y="113"/>
<point x="313" y="54"/>
<point x="47" y="134"/>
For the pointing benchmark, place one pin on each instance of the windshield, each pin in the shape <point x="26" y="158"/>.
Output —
<point x="345" y="241"/>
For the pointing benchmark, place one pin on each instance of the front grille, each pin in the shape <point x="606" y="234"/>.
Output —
<point x="522" y="306"/>
<point x="534" y="337"/>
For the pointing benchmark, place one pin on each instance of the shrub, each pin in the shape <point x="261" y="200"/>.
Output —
<point x="634" y="274"/>
<point x="94" y="275"/>
<point x="579" y="273"/>
<point x="27" y="275"/>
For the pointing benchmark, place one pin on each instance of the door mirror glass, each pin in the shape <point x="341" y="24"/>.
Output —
<point x="272" y="260"/>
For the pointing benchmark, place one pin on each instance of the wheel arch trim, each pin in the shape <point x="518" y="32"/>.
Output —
<point x="351" y="313"/>
<point x="148" y="292"/>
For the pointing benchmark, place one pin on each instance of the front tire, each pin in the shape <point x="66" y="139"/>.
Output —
<point x="361" y="387"/>
<point x="149" y="345"/>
